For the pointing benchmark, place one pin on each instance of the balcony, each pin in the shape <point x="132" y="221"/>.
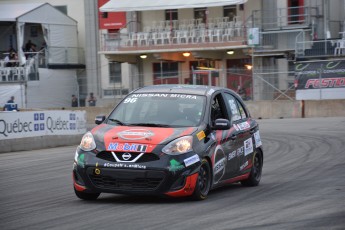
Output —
<point x="11" y="70"/>
<point x="285" y="18"/>
<point x="320" y="49"/>
<point x="217" y="33"/>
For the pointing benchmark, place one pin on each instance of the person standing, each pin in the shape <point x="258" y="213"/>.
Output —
<point x="74" y="101"/>
<point x="92" y="100"/>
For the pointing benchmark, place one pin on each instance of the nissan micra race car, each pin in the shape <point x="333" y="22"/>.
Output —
<point x="175" y="140"/>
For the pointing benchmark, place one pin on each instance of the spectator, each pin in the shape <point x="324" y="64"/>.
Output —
<point x="92" y="100"/>
<point x="74" y="101"/>
<point x="10" y="105"/>
<point x="28" y="45"/>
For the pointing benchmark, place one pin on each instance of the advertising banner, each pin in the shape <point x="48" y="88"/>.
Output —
<point x="40" y="123"/>
<point x="111" y="20"/>
<point x="320" y="80"/>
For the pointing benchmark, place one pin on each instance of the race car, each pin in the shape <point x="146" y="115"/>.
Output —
<point x="174" y="140"/>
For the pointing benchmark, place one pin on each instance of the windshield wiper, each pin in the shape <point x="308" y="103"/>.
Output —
<point x="148" y="125"/>
<point x="116" y="121"/>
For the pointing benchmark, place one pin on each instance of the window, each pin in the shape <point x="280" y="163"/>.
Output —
<point x="104" y="15"/>
<point x="114" y="92"/>
<point x="62" y="9"/>
<point x="200" y="13"/>
<point x="115" y="72"/>
<point x="171" y="15"/>
<point x="176" y="110"/>
<point x="233" y="105"/>
<point x="230" y="11"/>
<point x="242" y="111"/>
<point x="217" y="108"/>
<point x="165" y="69"/>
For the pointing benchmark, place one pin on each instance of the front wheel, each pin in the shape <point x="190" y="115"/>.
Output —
<point x="255" y="174"/>
<point x="86" y="196"/>
<point x="203" y="184"/>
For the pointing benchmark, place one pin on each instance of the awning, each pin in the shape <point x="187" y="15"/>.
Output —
<point x="144" y="5"/>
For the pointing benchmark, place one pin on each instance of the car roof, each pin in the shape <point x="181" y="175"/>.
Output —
<point x="186" y="89"/>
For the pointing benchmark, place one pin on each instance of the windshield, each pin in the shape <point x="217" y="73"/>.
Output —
<point x="159" y="109"/>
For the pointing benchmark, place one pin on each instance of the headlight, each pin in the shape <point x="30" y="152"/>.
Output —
<point x="87" y="142"/>
<point x="179" y="146"/>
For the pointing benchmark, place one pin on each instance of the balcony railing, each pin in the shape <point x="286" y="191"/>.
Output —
<point x="320" y="48"/>
<point x="284" y="18"/>
<point x="64" y="55"/>
<point x="216" y="32"/>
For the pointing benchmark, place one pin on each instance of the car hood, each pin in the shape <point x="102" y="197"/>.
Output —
<point x="136" y="138"/>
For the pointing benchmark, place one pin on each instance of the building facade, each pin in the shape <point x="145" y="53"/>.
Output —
<point x="250" y="46"/>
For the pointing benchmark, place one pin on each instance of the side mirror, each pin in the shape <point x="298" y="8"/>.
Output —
<point x="221" y="124"/>
<point x="99" y="119"/>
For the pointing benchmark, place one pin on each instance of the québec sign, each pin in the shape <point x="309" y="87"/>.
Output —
<point x="29" y="124"/>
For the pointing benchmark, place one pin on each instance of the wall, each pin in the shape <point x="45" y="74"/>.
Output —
<point x="258" y="109"/>
<point x="262" y="109"/>
<point x="45" y="93"/>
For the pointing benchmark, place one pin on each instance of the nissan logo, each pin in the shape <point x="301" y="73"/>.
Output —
<point x="126" y="156"/>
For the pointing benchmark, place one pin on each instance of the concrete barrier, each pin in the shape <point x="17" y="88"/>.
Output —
<point x="274" y="109"/>
<point x="258" y="109"/>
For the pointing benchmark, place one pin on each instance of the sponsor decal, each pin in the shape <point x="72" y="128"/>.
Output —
<point x="210" y="92"/>
<point x="81" y="160"/>
<point x="248" y="146"/>
<point x="243" y="126"/>
<point x="201" y="135"/>
<point x="115" y="146"/>
<point x="240" y="151"/>
<point x="257" y="139"/>
<point x="235" y="126"/>
<point x="244" y="165"/>
<point x="167" y="95"/>
<point x="135" y="134"/>
<point x="325" y="83"/>
<point x="219" y="164"/>
<point x="232" y="155"/>
<point x="191" y="160"/>
<point x="175" y="166"/>
<point x="121" y="165"/>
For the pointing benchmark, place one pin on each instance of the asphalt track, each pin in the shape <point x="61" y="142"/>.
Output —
<point x="303" y="187"/>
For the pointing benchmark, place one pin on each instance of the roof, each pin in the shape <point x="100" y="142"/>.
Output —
<point x="190" y="89"/>
<point x="144" y="5"/>
<point x="34" y="13"/>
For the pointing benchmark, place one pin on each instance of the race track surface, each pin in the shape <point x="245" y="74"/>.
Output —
<point x="302" y="187"/>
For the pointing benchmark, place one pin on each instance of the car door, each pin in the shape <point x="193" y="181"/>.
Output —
<point x="241" y="123"/>
<point x="224" y="164"/>
<point x="236" y="138"/>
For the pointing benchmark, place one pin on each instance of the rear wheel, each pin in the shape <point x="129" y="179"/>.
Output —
<point x="255" y="174"/>
<point x="86" y="196"/>
<point x="203" y="184"/>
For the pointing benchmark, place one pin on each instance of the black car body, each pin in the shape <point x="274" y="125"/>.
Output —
<point x="176" y="140"/>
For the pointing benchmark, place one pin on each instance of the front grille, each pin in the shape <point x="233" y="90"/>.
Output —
<point x="128" y="180"/>
<point x="105" y="155"/>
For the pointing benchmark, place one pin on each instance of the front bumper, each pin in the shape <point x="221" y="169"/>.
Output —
<point x="165" y="174"/>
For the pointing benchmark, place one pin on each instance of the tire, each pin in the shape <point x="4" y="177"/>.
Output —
<point x="255" y="174"/>
<point x="86" y="196"/>
<point x="203" y="183"/>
